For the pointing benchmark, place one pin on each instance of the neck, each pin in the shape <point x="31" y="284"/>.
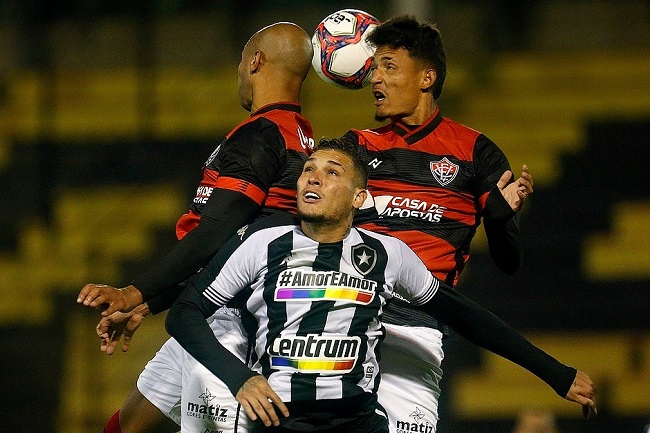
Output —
<point x="421" y="114"/>
<point x="326" y="232"/>
<point x="275" y="89"/>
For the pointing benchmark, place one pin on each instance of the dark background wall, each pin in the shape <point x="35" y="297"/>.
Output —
<point x="108" y="110"/>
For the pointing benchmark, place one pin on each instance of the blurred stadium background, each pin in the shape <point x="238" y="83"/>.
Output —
<point x="108" y="109"/>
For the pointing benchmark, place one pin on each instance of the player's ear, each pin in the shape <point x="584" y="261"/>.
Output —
<point x="255" y="62"/>
<point x="360" y="196"/>
<point x="428" y="79"/>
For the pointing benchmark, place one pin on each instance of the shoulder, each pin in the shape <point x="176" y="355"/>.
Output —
<point x="256" y="125"/>
<point x="390" y="243"/>
<point x="370" y="133"/>
<point x="458" y="130"/>
<point x="272" y="226"/>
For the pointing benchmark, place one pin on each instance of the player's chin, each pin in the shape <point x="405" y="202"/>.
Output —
<point x="311" y="217"/>
<point x="381" y="114"/>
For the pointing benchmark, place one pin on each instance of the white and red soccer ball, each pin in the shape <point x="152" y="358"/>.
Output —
<point x="341" y="54"/>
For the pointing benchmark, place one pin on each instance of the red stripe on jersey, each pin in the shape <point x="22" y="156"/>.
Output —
<point x="297" y="134"/>
<point x="186" y="223"/>
<point x="211" y="180"/>
<point x="286" y="115"/>
<point x="248" y="189"/>
<point x="437" y="136"/>
<point x="281" y="199"/>
<point x="482" y="199"/>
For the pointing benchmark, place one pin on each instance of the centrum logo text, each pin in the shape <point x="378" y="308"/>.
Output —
<point x="315" y="353"/>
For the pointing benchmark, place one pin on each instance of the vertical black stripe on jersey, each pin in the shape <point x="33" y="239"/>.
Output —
<point x="365" y="314"/>
<point x="303" y="386"/>
<point x="277" y="251"/>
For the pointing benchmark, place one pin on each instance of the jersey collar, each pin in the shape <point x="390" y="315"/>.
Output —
<point x="287" y="106"/>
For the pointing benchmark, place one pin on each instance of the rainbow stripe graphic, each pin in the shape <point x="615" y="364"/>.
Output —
<point x="358" y="296"/>
<point x="313" y="365"/>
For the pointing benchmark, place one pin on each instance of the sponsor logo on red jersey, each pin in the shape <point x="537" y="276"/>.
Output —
<point x="307" y="143"/>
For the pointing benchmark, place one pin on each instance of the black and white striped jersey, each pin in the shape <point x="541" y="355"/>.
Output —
<point x="317" y="309"/>
<point x="316" y="305"/>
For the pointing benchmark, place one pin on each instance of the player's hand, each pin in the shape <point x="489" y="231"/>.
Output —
<point x="113" y="328"/>
<point x="582" y="392"/>
<point x="113" y="299"/>
<point x="518" y="191"/>
<point x="257" y="398"/>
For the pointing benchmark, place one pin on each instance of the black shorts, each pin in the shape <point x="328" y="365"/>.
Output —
<point x="356" y="414"/>
<point x="371" y="423"/>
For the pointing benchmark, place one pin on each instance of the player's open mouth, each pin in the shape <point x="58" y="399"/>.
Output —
<point x="379" y="96"/>
<point x="311" y="196"/>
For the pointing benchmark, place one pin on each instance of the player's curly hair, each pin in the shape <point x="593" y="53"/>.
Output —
<point x="422" y="41"/>
<point x="351" y="149"/>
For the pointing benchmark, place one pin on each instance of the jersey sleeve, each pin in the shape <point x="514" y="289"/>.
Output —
<point x="225" y="212"/>
<point x="255" y="153"/>
<point x="250" y="160"/>
<point x="230" y="271"/>
<point x="486" y="330"/>
<point x="490" y="164"/>
<point x="500" y="221"/>
<point x="415" y="283"/>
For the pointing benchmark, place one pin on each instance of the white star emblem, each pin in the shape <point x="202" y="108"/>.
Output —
<point x="364" y="258"/>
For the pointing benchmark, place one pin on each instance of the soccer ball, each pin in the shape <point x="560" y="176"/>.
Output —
<point x="341" y="54"/>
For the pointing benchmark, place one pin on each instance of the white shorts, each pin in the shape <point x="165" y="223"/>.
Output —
<point x="207" y="405"/>
<point x="165" y="378"/>
<point x="410" y="377"/>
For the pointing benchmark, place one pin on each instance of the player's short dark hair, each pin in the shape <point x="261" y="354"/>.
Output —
<point x="422" y="41"/>
<point x="351" y="149"/>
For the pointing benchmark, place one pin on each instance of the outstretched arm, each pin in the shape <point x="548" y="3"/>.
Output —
<point x="249" y="161"/>
<point x="486" y="330"/>
<point x="218" y="224"/>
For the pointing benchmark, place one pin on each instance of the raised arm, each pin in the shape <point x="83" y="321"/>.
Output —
<point x="218" y="223"/>
<point x="500" y="197"/>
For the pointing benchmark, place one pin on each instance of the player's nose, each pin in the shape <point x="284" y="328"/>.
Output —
<point x="375" y="76"/>
<point x="314" y="178"/>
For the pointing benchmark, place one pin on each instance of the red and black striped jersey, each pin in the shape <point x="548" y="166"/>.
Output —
<point x="252" y="172"/>
<point x="262" y="158"/>
<point x="429" y="186"/>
